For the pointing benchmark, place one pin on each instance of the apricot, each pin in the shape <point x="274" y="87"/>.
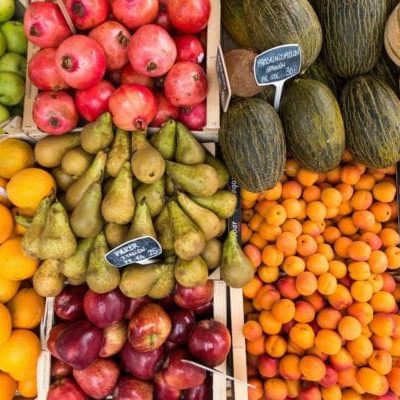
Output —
<point x="269" y="232"/>
<point x="378" y="262"/>
<point x="327" y="283"/>
<point x="275" y="346"/>
<point x="328" y="318"/>
<point x="359" y="270"/>
<point x="267" y="366"/>
<point x="361" y="200"/>
<point x="291" y="190"/>
<point x="271" y="256"/>
<point x="376" y="281"/>
<point x="275" y="215"/>
<point x="331" y="197"/>
<point x="372" y="239"/>
<point x="396" y="330"/>
<point x="394" y="380"/>
<point x="349" y="328"/>
<point x="366" y="182"/>
<point x="395" y="350"/>
<point x="287" y="287"/>
<point x="382" y="324"/>
<point x="337" y="268"/>
<point x="292" y="207"/>
<point x="316" y="300"/>
<point x="350" y="174"/>
<point x="341" y="246"/>
<point x="331" y="393"/>
<point x="361" y="291"/>
<point x="389" y="237"/>
<point x="384" y="191"/>
<point x="350" y="394"/>
<point x="304" y="313"/>
<point x="274" y="193"/>
<point x="372" y="382"/>
<point x="307" y="177"/>
<point x="269" y="324"/>
<point x="311" y="228"/>
<point x="331" y="234"/>
<point x="302" y="335"/>
<point x="341" y="298"/>
<point x="317" y="264"/>
<point x="294" y="265"/>
<point x="347" y="377"/>
<point x="306" y="245"/>
<point x="393" y="255"/>
<point x="292" y="225"/>
<point x="283" y="310"/>
<point x="328" y="341"/>
<point x="316" y="211"/>
<point x="310" y="392"/>
<point x="268" y="274"/>
<point x="317" y="353"/>
<point x="294" y="349"/>
<point x="363" y="219"/>
<point x="347" y="226"/>
<point x="306" y="283"/>
<point x="382" y="342"/>
<point x="389" y="283"/>
<point x="330" y="378"/>
<point x="289" y="367"/>
<point x="383" y="302"/>
<point x="360" y="349"/>
<point x="293" y="388"/>
<point x="267" y="296"/>
<point x="342" y="360"/>
<point x="359" y="251"/>
<point x="311" y="193"/>
<point x="256" y="392"/>
<point x="312" y="368"/>
<point x="275" y="389"/>
<point x="345" y="208"/>
<point x="381" y="362"/>
<point x="381" y="211"/>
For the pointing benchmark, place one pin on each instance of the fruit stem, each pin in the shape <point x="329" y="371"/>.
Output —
<point x="122" y="39"/>
<point x="54" y="122"/>
<point x="151" y="66"/>
<point x="139" y="124"/>
<point x="34" y="30"/>
<point x="68" y="63"/>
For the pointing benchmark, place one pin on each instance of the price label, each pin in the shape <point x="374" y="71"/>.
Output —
<point x="225" y="90"/>
<point x="234" y="221"/>
<point x="136" y="251"/>
<point x="276" y="66"/>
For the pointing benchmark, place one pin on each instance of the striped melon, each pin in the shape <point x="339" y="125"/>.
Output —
<point x="386" y="71"/>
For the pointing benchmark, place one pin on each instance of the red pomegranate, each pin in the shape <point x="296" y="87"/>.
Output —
<point x="81" y="61"/>
<point x="189" y="16"/>
<point x="194" y="117"/>
<point x="134" y="13"/>
<point x="114" y="39"/>
<point x="86" y="14"/>
<point x="189" y="48"/>
<point x="152" y="51"/>
<point x="55" y="112"/>
<point x="93" y="102"/>
<point x="128" y="75"/>
<point x="163" y="21"/>
<point x="45" y="25"/>
<point x="186" y="84"/>
<point x="165" y="111"/>
<point x="43" y="73"/>
<point x="133" y="107"/>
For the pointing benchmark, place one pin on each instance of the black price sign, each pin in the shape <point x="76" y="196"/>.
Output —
<point x="277" y="65"/>
<point x="234" y="221"/>
<point x="225" y="90"/>
<point x="136" y="251"/>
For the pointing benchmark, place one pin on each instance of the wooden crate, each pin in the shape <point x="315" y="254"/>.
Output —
<point x="210" y="131"/>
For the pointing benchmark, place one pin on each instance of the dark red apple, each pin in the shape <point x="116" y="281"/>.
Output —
<point x="202" y="392"/>
<point x="210" y="342"/>
<point x="114" y="338"/>
<point x="192" y="298"/>
<point x="169" y="346"/>
<point x="54" y="334"/>
<point x="134" y="304"/>
<point x="59" y="369"/>
<point x="68" y="305"/>
<point x="133" y="389"/>
<point x="183" y="323"/>
<point x="66" y="389"/>
<point x="168" y="303"/>
<point x="98" y="380"/>
<point x="205" y="311"/>
<point x="149" y="327"/>
<point x="162" y="391"/>
<point x="142" y="365"/>
<point x="181" y="375"/>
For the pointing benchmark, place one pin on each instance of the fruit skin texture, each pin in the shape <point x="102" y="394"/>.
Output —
<point x="67" y="389"/>
<point x="189" y="48"/>
<point x="6" y="224"/>
<point x="165" y="111"/>
<point x="372" y="124"/>
<point x="133" y="389"/>
<point x="55" y="112"/>
<point x="8" y="386"/>
<point x="195" y="117"/>
<point x="5" y="324"/>
<point x="8" y="289"/>
<point x="136" y="13"/>
<point x="22" y="157"/>
<point x="86" y="14"/>
<point x="44" y="24"/>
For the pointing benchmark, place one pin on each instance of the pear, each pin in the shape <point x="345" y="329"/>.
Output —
<point x="189" y="240"/>
<point x="163" y="227"/>
<point x="74" y="268"/>
<point x="107" y="185"/>
<point x="198" y="180"/>
<point x="76" y="282"/>
<point x="119" y="203"/>
<point x="57" y="240"/>
<point x="115" y="234"/>
<point x="223" y="225"/>
<point x="93" y="174"/>
<point x="205" y="219"/>
<point x="148" y="164"/>
<point x="164" y="139"/>
<point x="50" y="150"/>
<point x="188" y="150"/>
<point x="101" y="277"/>
<point x="120" y="152"/>
<point x="24" y="221"/>
<point x="86" y="220"/>
<point x="191" y="273"/>
<point x="47" y="279"/>
<point x="236" y="268"/>
<point x="31" y="239"/>
<point x="97" y="135"/>
<point x="223" y="203"/>
<point x="64" y="181"/>
<point x="138" y="280"/>
<point x="169" y="186"/>
<point x="153" y="194"/>
<point x="165" y="284"/>
<point x="76" y="161"/>
<point x="219" y="166"/>
<point x="142" y="224"/>
<point x="212" y="253"/>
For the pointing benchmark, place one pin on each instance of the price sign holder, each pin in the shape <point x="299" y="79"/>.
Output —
<point x="275" y="66"/>
<point x="225" y="90"/>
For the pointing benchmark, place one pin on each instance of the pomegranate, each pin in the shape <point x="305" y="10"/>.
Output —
<point x="133" y="107"/>
<point x="189" y="16"/>
<point x="55" y="112"/>
<point x="189" y="48"/>
<point x="93" y="102"/>
<point x="186" y="84"/>
<point x="152" y="51"/>
<point x="163" y="21"/>
<point x="113" y="38"/>
<point x="194" y="117"/>
<point x="44" y="24"/>
<point x="128" y="75"/>
<point x="86" y="14"/>
<point x="135" y="13"/>
<point x="81" y="61"/>
<point x="165" y="111"/>
<point x="114" y="76"/>
<point x="43" y="72"/>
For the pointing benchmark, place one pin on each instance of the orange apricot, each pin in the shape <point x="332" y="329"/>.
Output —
<point x="337" y="268"/>
<point x="272" y="256"/>
<point x="362" y="311"/>
<point x="269" y="324"/>
<point x="345" y="190"/>
<point x="316" y="300"/>
<point x="291" y="190"/>
<point x="363" y="219"/>
<point x="347" y="226"/>
<point x="359" y="251"/>
<point x="306" y="283"/>
<point x="359" y="270"/>
<point x="384" y="191"/>
<point x="381" y="362"/>
<point x="331" y="197"/>
<point x="361" y="291"/>
<point x="292" y="225"/>
<point x="251" y="288"/>
<point x="316" y="211"/>
<point x="275" y="346"/>
<point x="268" y="274"/>
<point x="292" y="207"/>
<point x="311" y="228"/>
<point x="256" y="347"/>
<point x="372" y="239"/>
<point x="311" y="193"/>
<point x="257" y="241"/>
<point x="382" y="324"/>
<point x="389" y="237"/>
<point x="317" y="263"/>
<point x="372" y="382"/>
<point x="383" y="302"/>
<point x="342" y="360"/>
<point x="328" y="318"/>
<point x="269" y="232"/>
<point x="253" y="254"/>
<point x="366" y="182"/>
<point x="349" y="328"/>
<point x="302" y="335"/>
<point x="304" y="312"/>
<point x="256" y="390"/>
<point x="276" y="215"/>
<point x="306" y="245"/>
<point x="394" y="380"/>
<point x="345" y="208"/>
<point x="307" y="177"/>
<point x="294" y="265"/>
<point x="274" y="193"/>
<point x="245" y="233"/>
<point x="361" y="200"/>
<point x="328" y="341"/>
<point x="247" y="195"/>
<point x="331" y="234"/>
<point x="341" y="298"/>
<point x="255" y="222"/>
<point x="360" y="349"/>
<point x="381" y="211"/>
<point x="312" y="368"/>
<point x="275" y="389"/>
<point x="378" y="262"/>
<point x="289" y="367"/>
<point x="286" y="242"/>
<point x="393" y="256"/>
<point x="327" y="283"/>
<point x="350" y="174"/>
<point x="333" y="176"/>
<point x="266" y="296"/>
<point x="252" y="330"/>
<point x="347" y="377"/>
<point x="283" y="310"/>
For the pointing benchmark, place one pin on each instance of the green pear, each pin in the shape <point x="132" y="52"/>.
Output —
<point x="222" y="230"/>
<point x="191" y="273"/>
<point x="97" y="135"/>
<point x="115" y="234"/>
<point x="153" y="194"/>
<point x="163" y="227"/>
<point x="169" y="186"/>
<point x="223" y="203"/>
<point x="119" y="203"/>
<point x="219" y="166"/>
<point x="198" y="180"/>
<point x="64" y="181"/>
<point x="142" y="224"/>
<point x="188" y="150"/>
<point x="165" y="284"/>
<point x="164" y="139"/>
<point x="47" y="279"/>
<point x="120" y="152"/>
<point x="16" y="40"/>
<point x="76" y="161"/>
<point x="212" y="253"/>
<point x="74" y="268"/>
<point x="7" y="9"/>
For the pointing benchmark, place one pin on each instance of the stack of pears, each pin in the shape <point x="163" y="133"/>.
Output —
<point x="114" y="187"/>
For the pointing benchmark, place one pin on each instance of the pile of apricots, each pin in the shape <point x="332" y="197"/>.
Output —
<point x="321" y="313"/>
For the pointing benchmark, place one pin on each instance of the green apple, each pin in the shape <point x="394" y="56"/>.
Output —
<point x="4" y="114"/>
<point x="13" y="62"/>
<point x="13" y="31"/>
<point x="3" y="45"/>
<point x="12" y="88"/>
<point x="7" y="9"/>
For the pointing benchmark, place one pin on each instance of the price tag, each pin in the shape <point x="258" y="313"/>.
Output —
<point x="136" y="251"/>
<point x="234" y="221"/>
<point x="276" y="66"/>
<point x="225" y="90"/>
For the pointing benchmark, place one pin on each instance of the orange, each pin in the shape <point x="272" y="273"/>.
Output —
<point x="26" y="309"/>
<point x="18" y="356"/>
<point x="27" y="389"/>
<point x="306" y="177"/>
<point x="316" y="211"/>
<point x="14" y="264"/>
<point x="28" y="187"/>
<point x="384" y="192"/>
<point x="331" y="197"/>
<point x="291" y="190"/>
<point x="8" y="387"/>
<point x="8" y="288"/>
<point x="6" y="223"/>
<point x="276" y="215"/>
<point x="286" y="242"/>
<point x="5" y="324"/>
<point x="15" y="155"/>
<point x="311" y="193"/>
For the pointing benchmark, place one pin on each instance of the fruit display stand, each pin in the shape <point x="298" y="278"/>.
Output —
<point x="209" y="132"/>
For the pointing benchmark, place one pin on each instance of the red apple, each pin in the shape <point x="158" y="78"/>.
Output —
<point x="162" y="391"/>
<point x="149" y="328"/>
<point x="59" y="369"/>
<point x="181" y="375"/>
<point x="114" y="338"/>
<point x="68" y="305"/>
<point x="192" y="298"/>
<point x="205" y="311"/>
<point x="210" y="342"/>
<point x="66" y="389"/>
<point x="54" y="334"/>
<point x="183" y="322"/>
<point x="167" y="303"/>
<point x="134" y="304"/>
<point x="169" y="346"/>
<point x="202" y="392"/>
<point x="133" y="389"/>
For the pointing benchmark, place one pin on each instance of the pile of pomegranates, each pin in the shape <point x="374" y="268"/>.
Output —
<point x="135" y="349"/>
<point x="142" y="60"/>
